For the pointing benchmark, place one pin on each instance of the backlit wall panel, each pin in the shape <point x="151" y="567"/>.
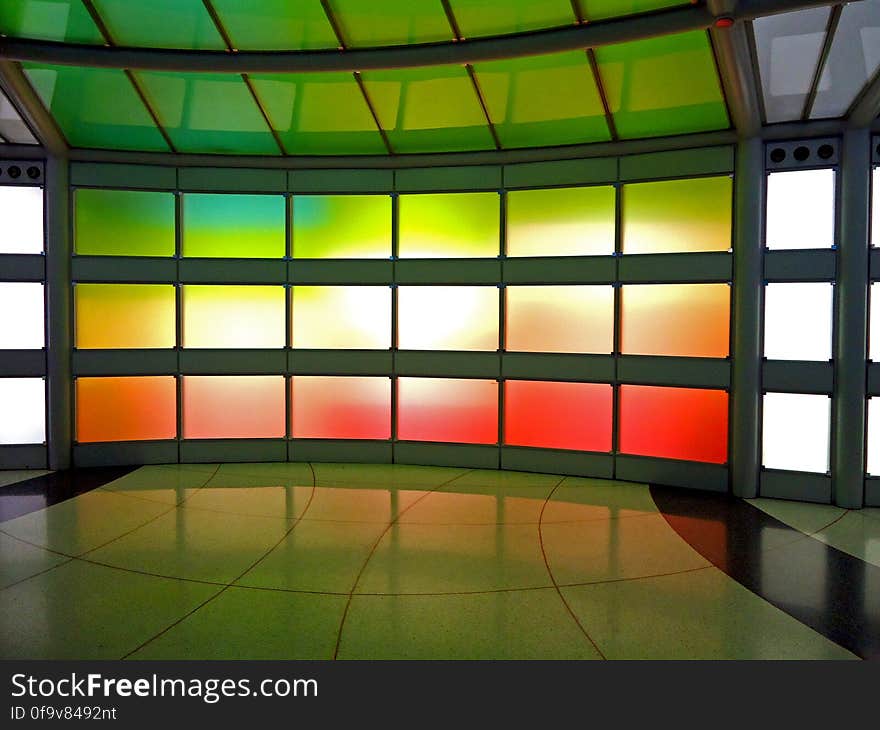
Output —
<point x="558" y="415"/>
<point x="342" y="226"/>
<point x="123" y="223"/>
<point x="340" y="407"/>
<point x="21" y="210"/>
<point x="233" y="226"/>
<point x="447" y="317"/>
<point x="684" y="320"/>
<point x="141" y="408"/>
<point x="560" y="319"/>
<point x="875" y="206"/>
<point x="798" y="321"/>
<point x="23" y="411"/>
<point x="124" y="316"/>
<point x="874" y="324"/>
<point x="673" y="423"/>
<point x="21" y="316"/>
<point x="874" y="436"/>
<point x="800" y="209"/>
<point x="561" y="222"/>
<point x="450" y="225"/>
<point x="341" y="317"/>
<point x="797" y="428"/>
<point x="447" y="410"/>
<point x="233" y="406"/>
<point x="677" y="216"/>
<point x="233" y="316"/>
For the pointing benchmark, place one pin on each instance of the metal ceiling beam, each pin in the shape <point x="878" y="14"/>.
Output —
<point x="29" y="106"/>
<point x="567" y="38"/>
<point x="866" y="107"/>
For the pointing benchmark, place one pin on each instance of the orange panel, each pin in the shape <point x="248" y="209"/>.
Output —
<point x="233" y="406"/>
<point x="446" y="409"/>
<point x="126" y="409"/>
<point x="334" y="407"/>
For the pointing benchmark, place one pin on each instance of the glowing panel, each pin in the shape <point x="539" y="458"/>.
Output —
<point x="233" y="226"/>
<point x="874" y="436"/>
<point x="233" y="316"/>
<point x="447" y="410"/>
<point x="123" y="223"/>
<point x="340" y="407"/>
<point x="450" y="225"/>
<point x="21" y="316"/>
<point x="21" y="210"/>
<point x="23" y="415"/>
<point x="874" y="324"/>
<point x="233" y="406"/>
<point x="683" y="320"/>
<point x="798" y="321"/>
<point x="674" y="423"/>
<point x="342" y="317"/>
<point x="875" y="206"/>
<point x="124" y="316"/>
<point x="126" y="409"/>
<point x="800" y="209"/>
<point x="342" y="226"/>
<point x="797" y="430"/>
<point x="447" y="317"/>
<point x="677" y="216"/>
<point x="560" y="319"/>
<point x="561" y="222"/>
<point x="558" y="415"/>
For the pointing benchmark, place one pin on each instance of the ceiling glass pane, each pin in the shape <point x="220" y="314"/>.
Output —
<point x="51" y="20"/>
<point x="322" y="113"/>
<point x="391" y="22"/>
<point x="208" y="113"/>
<point x="428" y="109"/>
<point x="788" y="47"/>
<point x="497" y="17"/>
<point x="602" y="9"/>
<point x="276" y="24"/>
<point x="12" y="128"/>
<point x="95" y="107"/>
<point x="543" y="100"/>
<point x="160" y="23"/>
<point x="853" y="60"/>
<point x="662" y="86"/>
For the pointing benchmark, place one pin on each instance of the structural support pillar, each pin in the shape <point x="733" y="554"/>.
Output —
<point x="850" y="388"/>
<point x="58" y="315"/>
<point x="748" y="297"/>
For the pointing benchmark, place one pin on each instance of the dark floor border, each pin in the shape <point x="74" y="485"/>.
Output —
<point x="832" y="592"/>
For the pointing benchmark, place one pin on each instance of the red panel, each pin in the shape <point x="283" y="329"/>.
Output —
<point x="445" y="409"/>
<point x="341" y="407"/>
<point x="126" y="409"/>
<point x="558" y="415"/>
<point x="233" y="406"/>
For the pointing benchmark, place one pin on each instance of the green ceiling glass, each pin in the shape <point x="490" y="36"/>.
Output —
<point x="322" y="113"/>
<point x="428" y="109"/>
<point x="663" y="86"/>
<point x="496" y="17"/>
<point x="208" y="113"/>
<point x="95" y="107"/>
<point x="603" y="9"/>
<point x="390" y="22"/>
<point x="543" y="100"/>
<point x="160" y="23"/>
<point x="49" y="20"/>
<point x="276" y="24"/>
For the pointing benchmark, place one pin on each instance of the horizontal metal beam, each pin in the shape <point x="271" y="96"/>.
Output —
<point x="567" y="38"/>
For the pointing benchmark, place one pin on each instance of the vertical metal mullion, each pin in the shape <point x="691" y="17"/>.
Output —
<point x="395" y="247"/>
<point x="502" y="318"/>
<point x="288" y="323"/>
<point x="618" y="296"/>
<point x="178" y="303"/>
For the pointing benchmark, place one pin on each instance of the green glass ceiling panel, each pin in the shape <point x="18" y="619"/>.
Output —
<point x="208" y="113"/>
<point x="428" y="109"/>
<point x="235" y="226"/>
<point x="123" y="223"/>
<point x="663" y="86"/>
<point x="498" y="17"/>
<point x="543" y="100"/>
<point x="322" y="113"/>
<point x="48" y="20"/>
<point x="160" y="23"/>
<point x="276" y="25"/>
<point x="391" y="22"/>
<point x="95" y="107"/>
<point x="602" y="9"/>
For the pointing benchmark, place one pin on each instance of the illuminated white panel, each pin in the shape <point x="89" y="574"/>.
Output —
<point x="874" y="324"/>
<point x="800" y="209"/>
<point x="796" y="431"/>
<point x="23" y="413"/>
<point x="874" y="436"/>
<point x="875" y="206"/>
<point x="798" y="321"/>
<point x="21" y="210"/>
<point x="21" y="316"/>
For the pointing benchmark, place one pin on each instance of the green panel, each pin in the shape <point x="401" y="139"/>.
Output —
<point x="233" y="226"/>
<point x="663" y="86"/>
<point x="449" y="225"/>
<point x="48" y="20"/>
<point x="276" y="25"/>
<point x="428" y="109"/>
<point x="497" y="17"/>
<point x="543" y="100"/>
<point x="602" y="9"/>
<point x="160" y="23"/>
<point x="391" y="22"/>
<point x="322" y="113"/>
<point x="342" y="226"/>
<point x="208" y="113"/>
<point x="123" y="223"/>
<point x="95" y="107"/>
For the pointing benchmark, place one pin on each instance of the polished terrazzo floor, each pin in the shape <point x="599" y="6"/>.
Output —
<point x="317" y="561"/>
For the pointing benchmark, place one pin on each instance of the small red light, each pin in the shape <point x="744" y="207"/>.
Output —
<point x="724" y="22"/>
